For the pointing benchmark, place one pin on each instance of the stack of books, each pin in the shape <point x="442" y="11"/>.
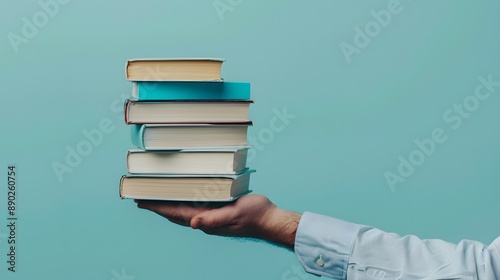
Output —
<point x="190" y="130"/>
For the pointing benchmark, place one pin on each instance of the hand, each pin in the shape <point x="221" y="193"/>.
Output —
<point x="249" y="216"/>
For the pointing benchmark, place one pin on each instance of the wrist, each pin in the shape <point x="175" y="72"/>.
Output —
<point x="279" y="226"/>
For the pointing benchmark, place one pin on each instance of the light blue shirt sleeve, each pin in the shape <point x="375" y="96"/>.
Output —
<point x="341" y="250"/>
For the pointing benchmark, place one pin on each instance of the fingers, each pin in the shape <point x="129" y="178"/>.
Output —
<point x="182" y="222"/>
<point x="177" y="212"/>
<point x="173" y="211"/>
<point x="211" y="218"/>
<point x="157" y="205"/>
<point x="214" y="218"/>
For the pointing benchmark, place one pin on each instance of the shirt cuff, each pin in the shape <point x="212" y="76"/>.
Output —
<point x="323" y="244"/>
<point x="497" y="244"/>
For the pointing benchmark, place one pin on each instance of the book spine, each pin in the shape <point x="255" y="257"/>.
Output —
<point x="137" y="135"/>
<point x="126" y="110"/>
<point x="121" y="187"/>
<point x="127" y="160"/>
<point x="126" y="69"/>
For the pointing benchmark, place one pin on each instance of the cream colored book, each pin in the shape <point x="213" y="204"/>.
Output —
<point x="174" y="69"/>
<point x="187" y="111"/>
<point x="189" y="136"/>
<point x="187" y="161"/>
<point x="186" y="187"/>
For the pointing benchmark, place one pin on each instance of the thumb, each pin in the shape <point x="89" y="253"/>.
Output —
<point x="213" y="218"/>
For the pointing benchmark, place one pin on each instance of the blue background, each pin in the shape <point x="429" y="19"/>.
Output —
<point x="352" y="122"/>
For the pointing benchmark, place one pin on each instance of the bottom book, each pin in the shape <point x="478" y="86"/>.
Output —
<point x="203" y="187"/>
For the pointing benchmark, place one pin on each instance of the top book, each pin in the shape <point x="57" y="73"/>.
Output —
<point x="174" y="69"/>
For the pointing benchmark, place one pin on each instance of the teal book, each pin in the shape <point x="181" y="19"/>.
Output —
<point x="189" y="136"/>
<point x="191" y="90"/>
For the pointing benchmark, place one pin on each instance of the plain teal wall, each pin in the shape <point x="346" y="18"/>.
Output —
<point x="352" y="122"/>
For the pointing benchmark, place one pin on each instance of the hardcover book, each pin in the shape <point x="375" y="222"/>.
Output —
<point x="186" y="111"/>
<point x="190" y="90"/>
<point x="180" y="136"/>
<point x="187" y="161"/>
<point x="174" y="69"/>
<point x="186" y="187"/>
